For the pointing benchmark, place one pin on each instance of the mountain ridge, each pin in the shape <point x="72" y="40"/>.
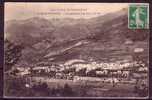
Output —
<point x="102" y="35"/>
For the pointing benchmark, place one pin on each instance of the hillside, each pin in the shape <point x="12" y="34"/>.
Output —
<point x="101" y="38"/>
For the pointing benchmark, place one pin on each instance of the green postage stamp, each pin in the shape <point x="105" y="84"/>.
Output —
<point x="138" y="16"/>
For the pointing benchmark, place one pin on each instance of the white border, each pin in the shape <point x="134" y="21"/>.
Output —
<point x="12" y="97"/>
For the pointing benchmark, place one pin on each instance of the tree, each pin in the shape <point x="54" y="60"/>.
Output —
<point x="12" y="54"/>
<point x="67" y="90"/>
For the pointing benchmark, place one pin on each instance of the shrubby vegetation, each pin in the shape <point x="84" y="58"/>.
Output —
<point x="16" y="87"/>
<point x="12" y="54"/>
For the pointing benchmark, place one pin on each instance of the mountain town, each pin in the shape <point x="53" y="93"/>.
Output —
<point x="96" y="57"/>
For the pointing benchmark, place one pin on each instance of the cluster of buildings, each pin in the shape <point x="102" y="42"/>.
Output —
<point x="79" y="70"/>
<point x="78" y="67"/>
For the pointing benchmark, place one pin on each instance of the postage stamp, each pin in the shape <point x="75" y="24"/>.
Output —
<point x="138" y="16"/>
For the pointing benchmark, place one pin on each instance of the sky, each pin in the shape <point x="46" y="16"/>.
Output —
<point x="59" y="10"/>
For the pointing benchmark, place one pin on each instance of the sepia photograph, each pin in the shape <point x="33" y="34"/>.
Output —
<point x="78" y="50"/>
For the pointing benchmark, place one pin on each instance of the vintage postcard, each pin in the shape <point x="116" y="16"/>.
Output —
<point x="78" y="50"/>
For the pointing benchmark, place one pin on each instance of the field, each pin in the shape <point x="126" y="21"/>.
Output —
<point x="92" y="88"/>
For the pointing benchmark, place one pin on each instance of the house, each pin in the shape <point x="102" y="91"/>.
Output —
<point x="70" y="62"/>
<point x="41" y="69"/>
<point x="138" y="50"/>
<point x="143" y="69"/>
<point x="128" y="42"/>
<point x="59" y="75"/>
<point x="22" y="71"/>
<point x="102" y="73"/>
<point x="138" y="75"/>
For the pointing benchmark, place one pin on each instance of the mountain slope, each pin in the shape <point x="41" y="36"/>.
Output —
<point x="56" y="41"/>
